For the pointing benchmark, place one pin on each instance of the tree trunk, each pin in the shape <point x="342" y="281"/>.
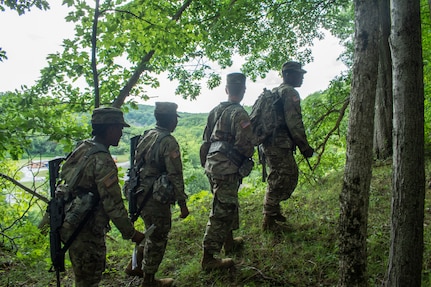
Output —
<point x="357" y="174"/>
<point x="383" y="116"/>
<point x="408" y="187"/>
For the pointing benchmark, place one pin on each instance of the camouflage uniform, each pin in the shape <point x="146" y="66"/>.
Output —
<point x="160" y="157"/>
<point x="99" y="175"/>
<point x="231" y="124"/>
<point x="283" y="170"/>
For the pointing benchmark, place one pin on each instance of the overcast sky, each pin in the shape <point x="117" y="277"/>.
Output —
<point x="29" y="38"/>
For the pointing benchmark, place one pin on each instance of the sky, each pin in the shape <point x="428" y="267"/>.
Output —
<point x="29" y="38"/>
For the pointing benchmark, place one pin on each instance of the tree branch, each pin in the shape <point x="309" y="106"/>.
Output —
<point x="32" y="192"/>
<point x="143" y="65"/>
<point x="336" y="127"/>
<point x="93" y="56"/>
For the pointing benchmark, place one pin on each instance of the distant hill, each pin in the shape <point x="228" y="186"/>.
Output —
<point x="144" y="116"/>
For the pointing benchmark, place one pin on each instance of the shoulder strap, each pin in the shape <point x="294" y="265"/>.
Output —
<point x="219" y="117"/>
<point x="157" y="144"/>
<point x="94" y="149"/>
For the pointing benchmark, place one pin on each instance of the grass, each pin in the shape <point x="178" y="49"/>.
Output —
<point x="305" y="255"/>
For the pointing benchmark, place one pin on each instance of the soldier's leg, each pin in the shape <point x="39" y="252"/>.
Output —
<point x="155" y="246"/>
<point x="88" y="256"/>
<point x="223" y="217"/>
<point x="282" y="179"/>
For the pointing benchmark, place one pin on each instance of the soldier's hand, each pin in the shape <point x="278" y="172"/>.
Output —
<point x="138" y="237"/>
<point x="308" y="152"/>
<point x="184" y="211"/>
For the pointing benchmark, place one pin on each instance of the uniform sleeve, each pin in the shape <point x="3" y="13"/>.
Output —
<point x="174" y="167"/>
<point x="293" y="117"/>
<point x="106" y="177"/>
<point x="243" y="132"/>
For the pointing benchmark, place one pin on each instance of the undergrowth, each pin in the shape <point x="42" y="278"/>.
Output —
<point x="304" y="255"/>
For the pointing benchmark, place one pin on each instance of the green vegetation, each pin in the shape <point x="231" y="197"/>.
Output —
<point x="305" y="255"/>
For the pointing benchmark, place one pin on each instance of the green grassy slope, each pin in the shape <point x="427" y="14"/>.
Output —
<point x="304" y="255"/>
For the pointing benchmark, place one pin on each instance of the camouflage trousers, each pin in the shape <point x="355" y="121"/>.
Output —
<point x="224" y="215"/>
<point x="282" y="178"/>
<point x="155" y="246"/>
<point x="88" y="256"/>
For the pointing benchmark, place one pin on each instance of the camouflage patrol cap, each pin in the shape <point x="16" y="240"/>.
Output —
<point x="108" y="115"/>
<point x="235" y="79"/>
<point x="293" y="66"/>
<point x="166" y="108"/>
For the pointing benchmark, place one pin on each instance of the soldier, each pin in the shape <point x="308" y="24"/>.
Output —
<point x="283" y="170"/>
<point x="162" y="160"/>
<point x="92" y="176"/>
<point x="226" y="156"/>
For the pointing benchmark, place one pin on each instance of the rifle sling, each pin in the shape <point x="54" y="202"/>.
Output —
<point x="146" y="198"/>
<point x="77" y="231"/>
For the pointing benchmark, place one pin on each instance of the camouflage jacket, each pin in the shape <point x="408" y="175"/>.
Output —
<point x="292" y="133"/>
<point x="162" y="158"/>
<point x="100" y="176"/>
<point x="231" y="123"/>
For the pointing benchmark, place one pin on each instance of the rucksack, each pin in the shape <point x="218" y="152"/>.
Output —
<point x="266" y="115"/>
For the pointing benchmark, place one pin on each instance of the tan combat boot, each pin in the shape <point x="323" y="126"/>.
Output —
<point x="269" y="224"/>
<point x="138" y="270"/>
<point x="150" y="281"/>
<point x="210" y="263"/>
<point x="232" y="244"/>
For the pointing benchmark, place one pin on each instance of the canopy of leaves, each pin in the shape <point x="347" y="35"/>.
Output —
<point x="187" y="39"/>
<point x="22" y="6"/>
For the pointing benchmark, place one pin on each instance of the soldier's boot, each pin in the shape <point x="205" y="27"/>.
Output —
<point x="210" y="263"/>
<point x="269" y="224"/>
<point x="232" y="244"/>
<point x="138" y="269"/>
<point x="150" y="281"/>
<point x="280" y="217"/>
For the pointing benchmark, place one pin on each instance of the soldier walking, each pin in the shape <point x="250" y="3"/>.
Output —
<point x="278" y="150"/>
<point x="225" y="154"/>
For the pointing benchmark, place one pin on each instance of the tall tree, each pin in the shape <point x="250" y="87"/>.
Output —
<point x="357" y="174"/>
<point x="408" y="187"/>
<point x="383" y="116"/>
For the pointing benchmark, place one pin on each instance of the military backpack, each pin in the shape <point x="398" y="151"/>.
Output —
<point x="266" y="115"/>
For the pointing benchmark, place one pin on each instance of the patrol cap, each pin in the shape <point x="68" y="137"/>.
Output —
<point x="235" y="79"/>
<point x="108" y="115"/>
<point x="293" y="66"/>
<point x="166" y="108"/>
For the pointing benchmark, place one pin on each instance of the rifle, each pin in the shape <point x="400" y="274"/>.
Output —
<point x="262" y="161"/>
<point x="133" y="174"/>
<point x="56" y="216"/>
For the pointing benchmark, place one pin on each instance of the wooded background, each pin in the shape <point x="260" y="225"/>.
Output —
<point x="378" y="111"/>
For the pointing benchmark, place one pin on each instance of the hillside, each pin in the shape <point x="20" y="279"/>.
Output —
<point x="304" y="255"/>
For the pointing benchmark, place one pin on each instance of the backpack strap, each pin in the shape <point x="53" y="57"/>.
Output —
<point x="155" y="152"/>
<point x="96" y="148"/>
<point x="219" y="116"/>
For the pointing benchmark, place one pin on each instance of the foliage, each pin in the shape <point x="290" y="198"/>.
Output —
<point x="306" y="255"/>
<point x="325" y="117"/>
<point x="26" y="115"/>
<point x="187" y="39"/>
<point x="426" y="54"/>
<point x="22" y="6"/>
